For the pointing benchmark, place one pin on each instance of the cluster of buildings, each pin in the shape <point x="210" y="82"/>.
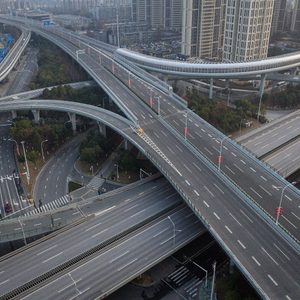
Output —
<point x="229" y="30"/>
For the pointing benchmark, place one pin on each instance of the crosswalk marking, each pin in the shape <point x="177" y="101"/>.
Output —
<point x="57" y="203"/>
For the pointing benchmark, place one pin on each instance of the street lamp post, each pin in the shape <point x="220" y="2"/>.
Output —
<point x="213" y="280"/>
<point x="42" y="150"/>
<point x="24" y="237"/>
<point x="92" y="170"/>
<point x="280" y="202"/>
<point x="220" y="152"/>
<point x="151" y="99"/>
<point x="186" y="125"/>
<point x="174" y="229"/>
<point x="117" y="166"/>
<point x="206" y="273"/>
<point x="26" y="163"/>
<point x="158" y="104"/>
<point x="17" y="146"/>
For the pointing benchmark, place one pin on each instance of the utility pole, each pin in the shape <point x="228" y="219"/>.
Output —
<point x="213" y="280"/>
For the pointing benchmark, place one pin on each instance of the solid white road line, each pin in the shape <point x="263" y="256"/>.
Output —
<point x="263" y="249"/>
<point x="246" y="216"/>
<point x="265" y="190"/>
<point x="92" y="227"/>
<point x="116" y="258"/>
<point x="52" y="257"/>
<point x="281" y="252"/>
<point x="254" y="191"/>
<point x="121" y="268"/>
<point x="235" y="219"/>
<point x="219" y="188"/>
<point x="209" y="191"/>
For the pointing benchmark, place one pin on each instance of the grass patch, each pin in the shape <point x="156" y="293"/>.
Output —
<point x="73" y="186"/>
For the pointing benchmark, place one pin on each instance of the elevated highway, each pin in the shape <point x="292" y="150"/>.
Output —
<point x="219" y="203"/>
<point x="14" y="54"/>
<point x="277" y="143"/>
<point x="82" y="242"/>
<point x="212" y="70"/>
<point x="237" y="218"/>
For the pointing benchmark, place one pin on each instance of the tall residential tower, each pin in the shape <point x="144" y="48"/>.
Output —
<point x="247" y="29"/>
<point x="202" y="28"/>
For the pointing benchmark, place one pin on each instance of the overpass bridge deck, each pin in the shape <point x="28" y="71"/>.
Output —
<point x="187" y="185"/>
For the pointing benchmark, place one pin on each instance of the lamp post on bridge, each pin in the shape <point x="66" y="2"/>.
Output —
<point x="186" y="125"/>
<point x="174" y="230"/>
<point x="158" y="104"/>
<point x="279" y="208"/>
<point x="220" y="152"/>
<point x="81" y="51"/>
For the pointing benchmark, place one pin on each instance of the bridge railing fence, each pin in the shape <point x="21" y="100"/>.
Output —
<point x="270" y="220"/>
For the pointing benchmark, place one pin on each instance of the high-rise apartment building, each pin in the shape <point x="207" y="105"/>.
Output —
<point x="279" y="17"/>
<point x="202" y="28"/>
<point x="158" y="14"/>
<point x="295" y="26"/>
<point x="247" y="29"/>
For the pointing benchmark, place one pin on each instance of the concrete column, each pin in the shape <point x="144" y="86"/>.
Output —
<point x="36" y="115"/>
<point x="261" y="92"/>
<point x="72" y="117"/>
<point x="102" y="129"/>
<point x="110" y="100"/>
<point x="227" y="86"/>
<point x="13" y="114"/>
<point x="231" y="265"/>
<point x="166" y="78"/>
<point x="295" y="71"/>
<point x="125" y="144"/>
<point x="211" y="87"/>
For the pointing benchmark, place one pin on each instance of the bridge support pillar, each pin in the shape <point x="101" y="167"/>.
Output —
<point x="166" y="78"/>
<point x="211" y="88"/>
<point x="36" y="115"/>
<point x="227" y="87"/>
<point x="231" y="265"/>
<point x="13" y="114"/>
<point x="127" y="145"/>
<point x="102" y="129"/>
<point x="72" y="117"/>
<point x="261" y="92"/>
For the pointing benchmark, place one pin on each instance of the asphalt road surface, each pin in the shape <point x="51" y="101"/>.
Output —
<point x="216" y="198"/>
<point x="273" y="135"/>
<point x="105" y="225"/>
<point x="286" y="160"/>
<point x="122" y="261"/>
<point x="10" y="185"/>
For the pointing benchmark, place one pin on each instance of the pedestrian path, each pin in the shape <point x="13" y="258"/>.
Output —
<point x="188" y="284"/>
<point x="95" y="183"/>
<point x="62" y="201"/>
